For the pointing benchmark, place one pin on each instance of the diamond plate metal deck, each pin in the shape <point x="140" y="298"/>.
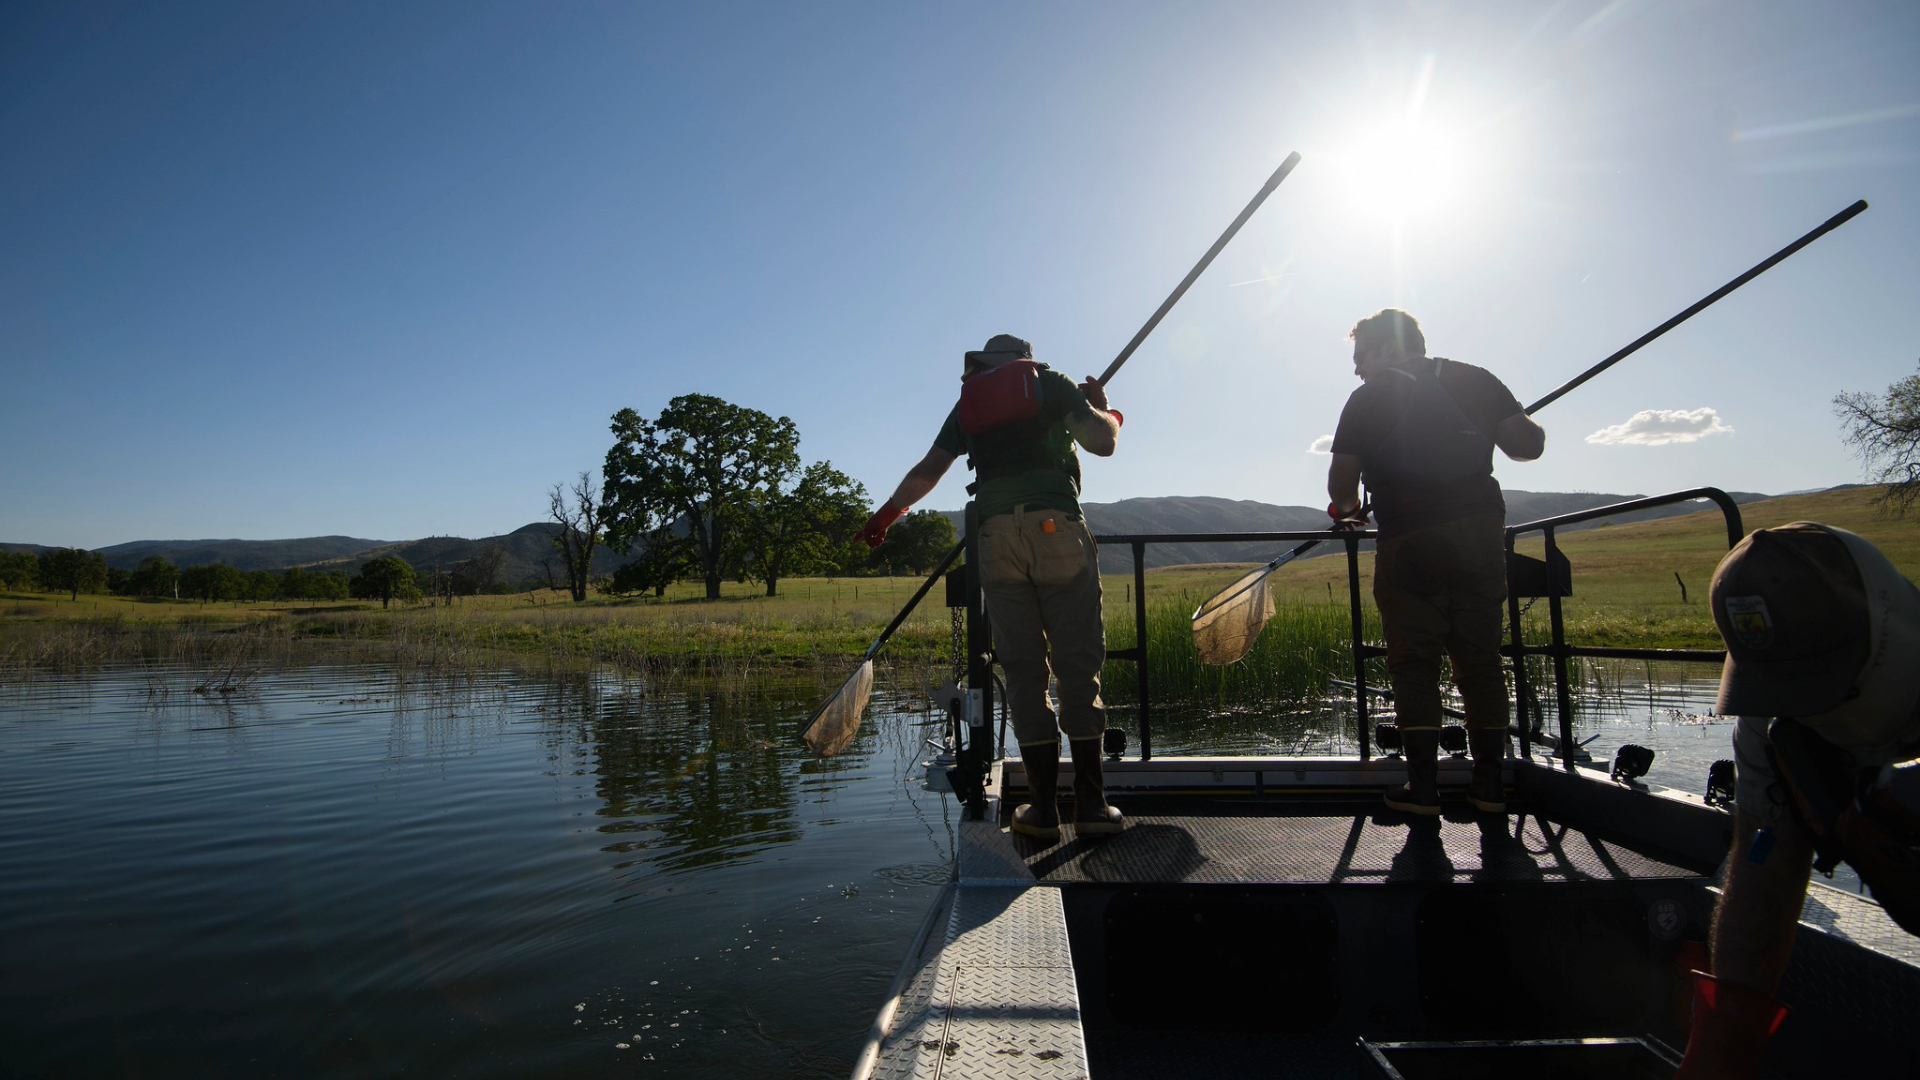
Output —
<point x="998" y="1001"/>
<point x="1876" y="989"/>
<point x="1289" y="843"/>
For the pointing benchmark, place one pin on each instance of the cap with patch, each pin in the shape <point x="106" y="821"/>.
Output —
<point x="1792" y="607"/>
<point x="1000" y="349"/>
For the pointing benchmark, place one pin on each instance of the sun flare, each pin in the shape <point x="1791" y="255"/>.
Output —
<point x="1403" y="170"/>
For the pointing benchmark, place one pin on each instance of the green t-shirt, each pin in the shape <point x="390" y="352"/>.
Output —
<point x="1053" y="489"/>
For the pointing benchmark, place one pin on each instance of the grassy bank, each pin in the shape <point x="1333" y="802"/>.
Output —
<point x="1625" y="592"/>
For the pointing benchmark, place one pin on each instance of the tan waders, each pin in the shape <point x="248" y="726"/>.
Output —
<point x="1091" y="814"/>
<point x="1485" y="791"/>
<point x="1040" y="818"/>
<point x="1421" y="793"/>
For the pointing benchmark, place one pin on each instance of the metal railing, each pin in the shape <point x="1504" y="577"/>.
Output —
<point x="1526" y="578"/>
<point x="1552" y="579"/>
<point x="1362" y="651"/>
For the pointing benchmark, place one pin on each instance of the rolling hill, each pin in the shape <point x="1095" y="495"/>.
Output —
<point x="528" y="549"/>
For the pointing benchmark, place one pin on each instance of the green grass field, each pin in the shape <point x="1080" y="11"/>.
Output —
<point x="1624" y="593"/>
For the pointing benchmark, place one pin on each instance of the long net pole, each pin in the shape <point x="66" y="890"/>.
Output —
<point x="1762" y="267"/>
<point x="1200" y="267"/>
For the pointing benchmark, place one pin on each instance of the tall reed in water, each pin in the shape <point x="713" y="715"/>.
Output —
<point x="1302" y="646"/>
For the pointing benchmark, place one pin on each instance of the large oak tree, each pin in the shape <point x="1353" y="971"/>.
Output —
<point x="702" y="463"/>
<point x="73" y="570"/>
<point x="802" y="529"/>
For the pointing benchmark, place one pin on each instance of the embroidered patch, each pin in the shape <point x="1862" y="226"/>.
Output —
<point x="1751" y="622"/>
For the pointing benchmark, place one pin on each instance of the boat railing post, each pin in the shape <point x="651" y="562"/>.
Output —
<point x="1140" y="645"/>
<point x="1563" y="693"/>
<point x="980" y="746"/>
<point x="1518" y="644"/>
<point x="1360" y="648"/>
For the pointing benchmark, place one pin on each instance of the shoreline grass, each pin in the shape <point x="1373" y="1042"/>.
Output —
<point x="1624" y="594"/>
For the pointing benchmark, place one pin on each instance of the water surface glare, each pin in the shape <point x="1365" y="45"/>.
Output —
<point x="342" y="871"/>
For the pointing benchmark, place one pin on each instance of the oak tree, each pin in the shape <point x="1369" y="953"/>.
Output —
<point x="386" y="580"/>
<point x="73" y="570"/>
<point x="802" y="529"/>
<point x="702" y="463"/>
<point x="1885" y="433"/>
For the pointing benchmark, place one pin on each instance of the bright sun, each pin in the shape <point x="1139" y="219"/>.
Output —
<point x="1403" y="170"/>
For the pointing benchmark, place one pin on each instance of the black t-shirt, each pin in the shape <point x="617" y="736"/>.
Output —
<point x="1374" y="410"/>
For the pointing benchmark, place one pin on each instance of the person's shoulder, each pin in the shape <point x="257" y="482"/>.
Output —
<point x="1053" y="380"/>
<point x="1059" y="391"/>
<point x="1460" y="369"/>
<point x="1368" y="393"/>
<point x="1460" y="374"/>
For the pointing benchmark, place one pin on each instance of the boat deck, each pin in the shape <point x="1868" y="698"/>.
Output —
<point x="1281" y="842"/>
<point x="1258" y="918"/>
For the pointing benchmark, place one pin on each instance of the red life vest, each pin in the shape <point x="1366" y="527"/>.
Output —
<point x="1005" y="395"/>
<point x="1002" y="415"/>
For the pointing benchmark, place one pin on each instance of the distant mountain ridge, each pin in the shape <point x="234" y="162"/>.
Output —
<point x="1203" y="513"/>
<point x="528" y="550"/>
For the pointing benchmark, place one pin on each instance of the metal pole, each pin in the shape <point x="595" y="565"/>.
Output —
<point x="1563" y="693"/>
<point x="1140" y="645"/>
<point x="1764" y="265"/>
<point x="1359" y="647"/>
<point x="1200" y="267"/>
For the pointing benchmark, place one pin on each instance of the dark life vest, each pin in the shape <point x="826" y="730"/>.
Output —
<point x="1433" y="443"/>
<point x="1003" y="416"/>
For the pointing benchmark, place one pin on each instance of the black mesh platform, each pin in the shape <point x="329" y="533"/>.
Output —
<point x="1292" y="843"/>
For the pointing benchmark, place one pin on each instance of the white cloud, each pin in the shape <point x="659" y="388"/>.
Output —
<point x="1321" y="445"/>
<point x="1658" y="427"/>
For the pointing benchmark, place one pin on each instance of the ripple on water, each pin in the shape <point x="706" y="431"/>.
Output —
<point x="394" y="874"/>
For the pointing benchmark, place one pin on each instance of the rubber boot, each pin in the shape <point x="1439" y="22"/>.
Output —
<point x="1091" y="814"/>
<point x="1486" y="791"/>
<point x="1040" y="818"/>
<point x="1421" y="793"/>
<point x="1731" y="1025"/>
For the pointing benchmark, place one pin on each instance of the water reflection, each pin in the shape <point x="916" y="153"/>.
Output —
<point x="490" y="874"/>
<point x="693" y="783"/>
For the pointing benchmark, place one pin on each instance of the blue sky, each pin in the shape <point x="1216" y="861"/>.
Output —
<point x="387" y="269"/>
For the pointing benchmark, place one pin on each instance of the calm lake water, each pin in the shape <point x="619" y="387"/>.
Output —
<point x="337" y="872"/>
<point x="341" y="871"/>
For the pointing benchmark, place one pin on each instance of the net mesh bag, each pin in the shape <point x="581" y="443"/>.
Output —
<point x="838" y="721"/>
<point x="1227" y="625"/>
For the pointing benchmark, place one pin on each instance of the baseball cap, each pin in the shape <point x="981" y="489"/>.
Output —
<point x="1000" y="349"/>
<point x="1793" y="609"/>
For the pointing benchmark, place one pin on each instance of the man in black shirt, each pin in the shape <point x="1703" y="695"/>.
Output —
<point x="1421" y="432"/>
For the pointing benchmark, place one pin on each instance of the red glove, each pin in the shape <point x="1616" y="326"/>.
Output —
<point x="1352" y="519"/>
<point x="874" y="532"/>
<point x="1731" y="1024"/>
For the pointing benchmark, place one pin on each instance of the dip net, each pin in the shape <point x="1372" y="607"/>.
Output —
<point x="1227" y="625"/>
<point x="838" y="721"/>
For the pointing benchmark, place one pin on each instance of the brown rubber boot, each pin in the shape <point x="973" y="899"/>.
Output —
<point x="1486" y="791"/>
<point x="1421" y="793"/>
<point x="1091" y="814"/>
<point x="1040" y="818"/>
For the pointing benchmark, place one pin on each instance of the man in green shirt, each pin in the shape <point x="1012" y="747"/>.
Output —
<point x="1018" y="423"/>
